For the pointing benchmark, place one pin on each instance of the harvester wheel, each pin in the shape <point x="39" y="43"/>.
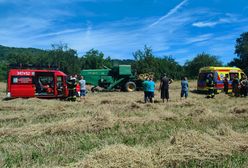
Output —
<point x="130" y="86"/>
<point x="93" y="89"/>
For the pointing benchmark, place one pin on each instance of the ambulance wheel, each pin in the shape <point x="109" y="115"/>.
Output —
<point x="130" y="86"/>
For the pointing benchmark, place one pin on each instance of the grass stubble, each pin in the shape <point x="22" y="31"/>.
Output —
<point x="117" y="129"/>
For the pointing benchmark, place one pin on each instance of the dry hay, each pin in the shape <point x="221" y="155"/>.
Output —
<point x="202" y="113"/>
<point x="100" y="120"/>
<point x="135" y="106"/>
<point x="108" y="101"/>
<point x="189" y="103"/>
<point x="11" y="118"/>
<point x="118" y="156"/>
<point x="182" y="147"/>
<point x="11" y="108"/>
<point x="188" y="145"/>
<point x="239" y="111"/>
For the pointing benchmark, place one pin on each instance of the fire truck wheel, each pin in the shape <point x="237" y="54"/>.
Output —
<point x="130" y="86"/>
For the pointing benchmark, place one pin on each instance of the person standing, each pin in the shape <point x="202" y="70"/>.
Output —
<point x="71" y="83"/>
<point x="151" y="89"/>
<point x="235" y="85"/>
<point x="185" y="88"/>
<point x="145" y="88"/>
<point x="82" y="84"/>
<point x="210" y="84"/>
<point x="244" y="85"/>
<point x="226" y="84"/>
<point x="164" y="87"/>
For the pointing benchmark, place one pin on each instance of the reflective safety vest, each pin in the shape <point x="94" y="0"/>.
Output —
<point x="210" y="83"/>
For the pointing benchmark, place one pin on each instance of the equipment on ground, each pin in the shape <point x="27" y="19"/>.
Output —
<point x="119" y="77"/>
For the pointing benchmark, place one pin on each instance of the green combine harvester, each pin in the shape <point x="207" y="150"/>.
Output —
<point x="119" y="77"/>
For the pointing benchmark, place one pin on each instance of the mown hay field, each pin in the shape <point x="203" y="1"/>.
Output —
<point x="116" y="129"/>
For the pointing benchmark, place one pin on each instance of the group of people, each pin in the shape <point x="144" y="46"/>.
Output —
<point x="239" y="86"/>
<point x="149" y="88"/>
<point x="76" y="87"/>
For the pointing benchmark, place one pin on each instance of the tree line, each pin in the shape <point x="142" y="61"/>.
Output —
<point x="144" y="61"/>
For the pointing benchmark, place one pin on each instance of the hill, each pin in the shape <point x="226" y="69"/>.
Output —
<point x="6" y="51"/>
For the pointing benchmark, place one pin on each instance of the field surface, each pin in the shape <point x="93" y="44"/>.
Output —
<point x="116" y="129"/>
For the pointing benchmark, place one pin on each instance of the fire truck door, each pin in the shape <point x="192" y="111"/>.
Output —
<point x="22" y="86"/>
<point x="60" y="86"/>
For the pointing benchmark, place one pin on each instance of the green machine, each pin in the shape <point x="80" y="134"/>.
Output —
<point x="119" y="77"/>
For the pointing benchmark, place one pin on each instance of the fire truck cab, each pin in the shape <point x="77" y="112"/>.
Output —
<point x="36" y="83"/>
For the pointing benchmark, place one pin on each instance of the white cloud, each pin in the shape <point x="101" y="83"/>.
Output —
<point x="229" y="18"/>
<point x="205" y="24"/>
<point x="199" y="38"/>
<point x="171" y="12"/>
<point x="171" y="35"/>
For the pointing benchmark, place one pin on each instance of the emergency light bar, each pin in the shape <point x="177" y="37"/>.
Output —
<point x="33" y="66"/>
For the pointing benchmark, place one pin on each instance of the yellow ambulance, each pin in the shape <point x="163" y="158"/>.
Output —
<point x="219" y="74"/>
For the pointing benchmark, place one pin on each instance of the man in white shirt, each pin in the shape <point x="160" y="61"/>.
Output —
<point x="82" y="84"/>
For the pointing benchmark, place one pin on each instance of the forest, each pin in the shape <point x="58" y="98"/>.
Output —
<point x="144" y="60"/>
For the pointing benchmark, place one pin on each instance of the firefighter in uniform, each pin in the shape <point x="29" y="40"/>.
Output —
<point x="71" y="83"/>
<point x="210" y="84"/>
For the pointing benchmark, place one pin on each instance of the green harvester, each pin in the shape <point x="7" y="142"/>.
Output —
<point x="119" y="77"/>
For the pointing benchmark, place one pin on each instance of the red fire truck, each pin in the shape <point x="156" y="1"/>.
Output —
<point x="36" y="83"/>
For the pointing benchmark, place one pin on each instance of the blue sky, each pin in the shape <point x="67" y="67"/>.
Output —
<point x="177" y="28"/>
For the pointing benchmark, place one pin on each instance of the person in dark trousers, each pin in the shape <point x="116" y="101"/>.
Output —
<point x="243" y="86"/>
<point x="235" y="85"/>
<point x="82" y="84"/>
<point x="71" y="83"/>
<point x="164" y="87"/>
<point x="210" y="84"/>
<point x="246" y="88"/>
<point x="185" y="87"/>
<point x="226" y="84"/>
<point x="151" y="89"/>
<point x="145" y="89"/>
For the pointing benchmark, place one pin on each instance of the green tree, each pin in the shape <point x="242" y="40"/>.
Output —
<point x="94" y="59"/>
<point x="64" y="57"/>
<point x="3" y="71"/>
<point x="169" y="66"/>
<point x="241" y="49"/>
<point x="201" y="60"/>
<point x="146" y="61"/>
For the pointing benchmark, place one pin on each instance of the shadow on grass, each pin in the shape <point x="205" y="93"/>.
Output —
<point x="155" y="102"/>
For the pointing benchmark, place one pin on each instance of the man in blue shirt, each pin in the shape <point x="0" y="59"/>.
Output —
<point x="185" y="87"/>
